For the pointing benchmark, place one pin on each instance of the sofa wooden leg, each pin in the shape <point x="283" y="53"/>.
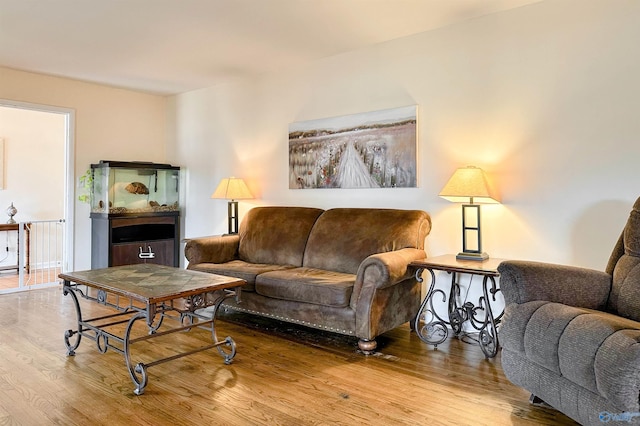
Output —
<point x="538" y="402"/>
<point x="367" y="346"/>
<point x="412" y="324"/>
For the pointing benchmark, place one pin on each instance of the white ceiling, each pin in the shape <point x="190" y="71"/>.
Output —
<point x="173" y="46"/>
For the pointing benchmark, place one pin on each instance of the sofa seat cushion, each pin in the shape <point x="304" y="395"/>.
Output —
<point x="596" y="350"/>
<point x="239" y="269"/>
<point x="308" y="285"/>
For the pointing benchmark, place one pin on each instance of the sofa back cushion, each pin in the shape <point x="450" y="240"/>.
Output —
<point x="276" y="235"/>
<point x="625" y="291"/>
<point x="342" y="238"/>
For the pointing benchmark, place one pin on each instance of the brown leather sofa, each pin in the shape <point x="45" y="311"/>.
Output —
<point x="343" y="270"/>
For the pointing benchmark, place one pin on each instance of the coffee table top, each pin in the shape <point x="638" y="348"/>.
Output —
<point x="151" y="283"/>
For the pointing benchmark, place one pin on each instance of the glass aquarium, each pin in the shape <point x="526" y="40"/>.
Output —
<point x="121" y="187"/>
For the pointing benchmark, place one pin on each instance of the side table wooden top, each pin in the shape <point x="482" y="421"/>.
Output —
<point x="449" y="263"/>
<point x="9" y="226"/>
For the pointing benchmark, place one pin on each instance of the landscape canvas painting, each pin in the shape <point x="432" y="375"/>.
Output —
<point x="369" y="150"/>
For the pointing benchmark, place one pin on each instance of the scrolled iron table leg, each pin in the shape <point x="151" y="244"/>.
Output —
<point x="457" y="315"/>
<point x="228" y="342"/>
<point x="71" y="347"/>
<point x="138" y="373"/>
<point x="488" y="332"/>
<point x="435" y="331"/>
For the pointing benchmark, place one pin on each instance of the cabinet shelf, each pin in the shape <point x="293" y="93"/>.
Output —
<point x="121" y="240"/>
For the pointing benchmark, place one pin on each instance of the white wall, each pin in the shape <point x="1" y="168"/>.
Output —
<point x="544" y="97"/>
<point x="33" y="163"/>
<point x="110" y="123"/>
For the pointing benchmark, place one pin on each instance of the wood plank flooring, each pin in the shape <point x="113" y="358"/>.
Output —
<point x="282" y="375"/>
<point x="10" y="280"/>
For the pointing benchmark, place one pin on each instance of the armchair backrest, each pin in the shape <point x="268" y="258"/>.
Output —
<point x="624" y="265"/>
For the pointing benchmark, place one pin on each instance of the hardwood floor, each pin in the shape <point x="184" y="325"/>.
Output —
<point x="281" y="375"/>
<point x="10" y="280"/>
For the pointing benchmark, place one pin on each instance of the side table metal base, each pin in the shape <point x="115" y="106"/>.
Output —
<point x="433" y="329"/>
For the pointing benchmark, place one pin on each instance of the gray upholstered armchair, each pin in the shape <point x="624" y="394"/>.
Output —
<point x="571" y="335"/>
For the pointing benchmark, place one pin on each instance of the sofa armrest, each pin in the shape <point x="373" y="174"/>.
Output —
<point x="218" y="249"/>
<point x="525" y="281"/>
<point x="382" y="270"/>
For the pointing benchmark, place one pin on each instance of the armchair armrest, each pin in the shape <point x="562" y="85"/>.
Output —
<point x="382" y="270"/>
<point x="524" y="281"/>
<point x="218" y="249"/>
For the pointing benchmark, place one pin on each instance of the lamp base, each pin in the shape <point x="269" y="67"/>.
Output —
<point x="232" y="212"/>
<point x="472" y="256"/>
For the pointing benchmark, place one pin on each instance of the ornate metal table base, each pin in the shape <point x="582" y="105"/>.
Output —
<point x="433" y="329"/>
<point x="106" y="330"/>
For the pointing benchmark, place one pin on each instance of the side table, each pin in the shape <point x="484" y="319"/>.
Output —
<point x="432" y="329"/>
<point x="27" y="230"/>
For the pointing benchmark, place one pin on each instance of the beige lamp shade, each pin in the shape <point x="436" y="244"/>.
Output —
<point x="232" y="188"/>
<point x="469" y="185"/>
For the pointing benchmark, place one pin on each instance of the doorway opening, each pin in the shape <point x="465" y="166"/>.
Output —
<point x="38" y="181"/>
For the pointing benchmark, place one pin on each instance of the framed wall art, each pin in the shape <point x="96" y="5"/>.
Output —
<point x="369" y="150"/>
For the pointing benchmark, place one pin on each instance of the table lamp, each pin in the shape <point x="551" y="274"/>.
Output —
<point x="232" y="189"/>
<point x="470" y="185"/>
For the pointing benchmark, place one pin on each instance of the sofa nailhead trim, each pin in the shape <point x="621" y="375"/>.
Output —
<point x="252" y="311"/>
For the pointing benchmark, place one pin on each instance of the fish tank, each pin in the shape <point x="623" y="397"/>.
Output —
<point x="134" y="187"/>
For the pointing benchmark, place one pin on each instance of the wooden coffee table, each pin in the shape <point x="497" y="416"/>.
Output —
<point x="151" y="293"/>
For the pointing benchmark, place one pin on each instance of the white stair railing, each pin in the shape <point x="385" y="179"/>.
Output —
<point x="41" y="260"/>
<point x="39" y="256"/>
